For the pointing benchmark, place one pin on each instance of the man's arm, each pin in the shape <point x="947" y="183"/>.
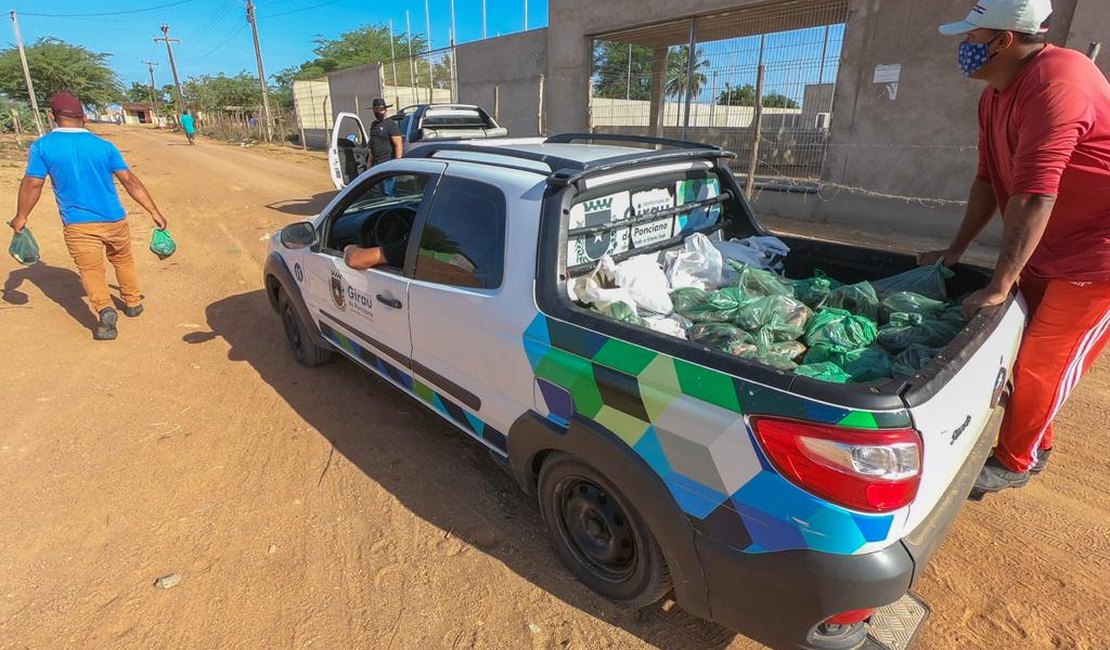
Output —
<point x="981" y="206"/>
<point x="398" y="146"/>
<point x="361" y="259"/>
<point x="138" y="191"/>
<point x="1027" y="217"/>
<point x="30" y="189"/>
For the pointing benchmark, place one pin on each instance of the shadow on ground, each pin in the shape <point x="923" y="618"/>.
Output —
<point x="303" y="207"/>
<point x="60" y="285"/>
<point x="435" y="471"/>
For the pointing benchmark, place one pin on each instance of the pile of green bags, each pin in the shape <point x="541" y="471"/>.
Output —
<point x="824" y="329"/>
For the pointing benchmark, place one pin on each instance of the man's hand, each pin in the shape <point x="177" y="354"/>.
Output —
<point x="983" y="299"/>
<point x="18" y="223"/>
<point x="159" y="220"/>
<point x="950" y="257"/>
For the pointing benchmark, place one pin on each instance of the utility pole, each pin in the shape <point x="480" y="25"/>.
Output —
<point x="153" y="103"/>
<point x="454" y="33"/>
<point x="261" y="73"/>
<point x="483" y="20"/>
<point x="525" y="15"/>
<point x="26" y="73"/>
<point x="173" y="66"/>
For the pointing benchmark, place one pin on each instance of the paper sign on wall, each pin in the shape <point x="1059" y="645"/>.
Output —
<point x="885" y="74"/>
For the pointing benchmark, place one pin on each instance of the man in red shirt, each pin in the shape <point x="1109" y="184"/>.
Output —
<point x="1044" y="162"/>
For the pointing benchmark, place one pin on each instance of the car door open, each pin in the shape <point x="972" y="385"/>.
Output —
<point x="347" y="149"/>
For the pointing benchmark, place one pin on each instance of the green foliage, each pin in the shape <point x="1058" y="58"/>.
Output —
<point x="57" y="66"/>
<point x="613" y="79"/>
<point x="21" y="108"/>
<point x="678" y="61"/>
<point x="215" y="93"/>
<point x="140" y="92"/>
<point x="366" y="44"/>
<point x="745" y="96"/>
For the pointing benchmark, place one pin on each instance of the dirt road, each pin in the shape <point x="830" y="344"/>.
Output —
<point x="324" y="508"/>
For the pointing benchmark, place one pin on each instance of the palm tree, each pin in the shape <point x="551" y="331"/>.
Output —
<point x="678" y="62"/>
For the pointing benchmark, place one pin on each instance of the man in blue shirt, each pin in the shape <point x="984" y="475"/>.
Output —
<point x="81" y="166"/>
<point x="189" y="126"/>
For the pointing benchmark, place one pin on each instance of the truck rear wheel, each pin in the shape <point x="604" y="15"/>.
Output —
<point x="599" y="535"/>
<point x="300" y="343"/>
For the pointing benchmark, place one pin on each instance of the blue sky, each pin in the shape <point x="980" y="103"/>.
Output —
<point x="215" y="37"/>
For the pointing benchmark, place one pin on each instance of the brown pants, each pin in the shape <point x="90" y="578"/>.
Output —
<point x="87" y="244"/>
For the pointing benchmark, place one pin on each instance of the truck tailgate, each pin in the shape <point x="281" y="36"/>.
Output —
<point x="952" y="420"/>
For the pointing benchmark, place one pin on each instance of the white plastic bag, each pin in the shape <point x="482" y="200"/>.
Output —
<point x="644" y="278"/>
<point x="761" y="252"/>
<point x="698" y="265"/>
<point x="599" y="287"/>
<point x="671" y="325"/>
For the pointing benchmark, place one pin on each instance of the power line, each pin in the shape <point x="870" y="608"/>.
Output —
<point x="295" y="11"/>
<point x="113" y="13"/>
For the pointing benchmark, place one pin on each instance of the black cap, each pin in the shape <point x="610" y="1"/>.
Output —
<point x="379" y="103"/>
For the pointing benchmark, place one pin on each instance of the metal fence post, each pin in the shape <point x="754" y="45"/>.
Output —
<point x="691" y="60"/>
<point x="758" y="124"/>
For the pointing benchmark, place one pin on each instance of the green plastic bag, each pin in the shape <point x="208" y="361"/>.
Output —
<point x="757" y="283"/>
<point x="161" y="244"/>
<point x="814" y="291"/>
<point x="24" y="248"/>
<point x="926" y="280"/>
<point x="780" y="355"/>
<point x="912" y="360"/>
<point x="825" y="371"/>
<point x="905" y="330"/>
<point x="909" y="302"/>
<point x="860" y="299"/>
<point x="708" y="307"/>
<point x="722" y="336"/>
<point x="865" y="364"/>
<point x="787" y="316"/>
<point x="842" y="329"/>
<point x="623" y="312"/>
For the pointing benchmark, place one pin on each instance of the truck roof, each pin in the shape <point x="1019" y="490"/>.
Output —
<point x="568" y="157"/>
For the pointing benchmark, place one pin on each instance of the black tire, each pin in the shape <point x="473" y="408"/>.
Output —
<point x="599" y="535"/>
<point x="300" y="343"/>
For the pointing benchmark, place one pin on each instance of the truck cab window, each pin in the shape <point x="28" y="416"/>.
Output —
<point x="378" y="212"/>
<point x="463" y="241"/>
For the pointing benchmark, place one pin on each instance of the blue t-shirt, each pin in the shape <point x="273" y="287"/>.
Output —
<point x="80" y="166"/>
<point x="188" y="124"/>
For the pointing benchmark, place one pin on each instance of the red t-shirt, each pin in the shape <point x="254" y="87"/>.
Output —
<point x="1048" y="132"/>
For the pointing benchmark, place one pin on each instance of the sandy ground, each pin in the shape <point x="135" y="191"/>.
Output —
<point x="324" y="508"/>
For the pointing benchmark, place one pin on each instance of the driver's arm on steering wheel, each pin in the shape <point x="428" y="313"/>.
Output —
<point x="360" y="259"/>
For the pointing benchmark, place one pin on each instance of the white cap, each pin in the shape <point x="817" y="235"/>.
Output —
<point x="1025" y="16"/>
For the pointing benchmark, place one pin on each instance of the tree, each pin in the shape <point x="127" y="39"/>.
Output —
<point x="778" y="100"/>
<point x="215" y="93"/>
<point x="140" y="92"/>
<point x="678" y="62"/>
<point x="57" y="66"/>
<point x="737" y="96"/>
<point x="617" y="76"/>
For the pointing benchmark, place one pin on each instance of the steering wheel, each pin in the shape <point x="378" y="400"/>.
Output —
<point x="391" y="232"/>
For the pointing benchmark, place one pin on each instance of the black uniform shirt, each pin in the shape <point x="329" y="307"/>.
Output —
<point x="381" y="144"/>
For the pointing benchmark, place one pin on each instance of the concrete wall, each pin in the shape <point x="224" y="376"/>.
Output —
<point x="512" y="65"/>
<point x="352" y="90"/>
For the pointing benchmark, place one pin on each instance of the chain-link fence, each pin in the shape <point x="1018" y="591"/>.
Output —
<point x="757" y="81"/>
<point x="428" y="77"/>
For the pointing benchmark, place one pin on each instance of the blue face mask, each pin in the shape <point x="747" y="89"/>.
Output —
<point x="973" y="56"/>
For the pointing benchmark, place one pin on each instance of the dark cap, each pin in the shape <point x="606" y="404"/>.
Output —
<point x="66" y="105"/>
<point x="379" y="103"/>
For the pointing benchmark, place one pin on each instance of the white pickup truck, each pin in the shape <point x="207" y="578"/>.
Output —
<point x="785" y="508"/>
<point x="418" y="123"/>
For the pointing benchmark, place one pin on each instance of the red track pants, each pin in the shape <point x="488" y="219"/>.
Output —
<point x="1069" y="327"/>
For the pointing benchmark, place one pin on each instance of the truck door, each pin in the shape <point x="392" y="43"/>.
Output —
<point x="347" y="150"/>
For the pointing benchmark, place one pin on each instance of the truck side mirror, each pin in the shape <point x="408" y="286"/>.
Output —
<point x="298" y="235"/>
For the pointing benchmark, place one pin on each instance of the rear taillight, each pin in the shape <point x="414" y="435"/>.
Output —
<point x="851" y="617"/>
<point x="867" y="470"/>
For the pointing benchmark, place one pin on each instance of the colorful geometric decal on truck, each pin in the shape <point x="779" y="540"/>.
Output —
<point x="687" y="422"/>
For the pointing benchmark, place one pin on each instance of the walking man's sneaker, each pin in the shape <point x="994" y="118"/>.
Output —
<point x="996" y="477"/>
<point x="1042" y="460"/>
<point x="106" y="328"/>
<point x="132" y="312"/>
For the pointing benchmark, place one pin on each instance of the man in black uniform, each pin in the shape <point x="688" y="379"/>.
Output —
<point x="385" y="136"/>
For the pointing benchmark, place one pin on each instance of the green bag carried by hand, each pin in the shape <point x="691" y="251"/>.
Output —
<point x="24" y="248"/>
<point x="161" y="244"/>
